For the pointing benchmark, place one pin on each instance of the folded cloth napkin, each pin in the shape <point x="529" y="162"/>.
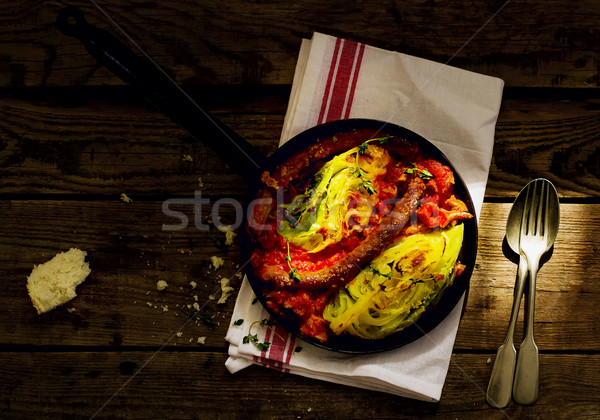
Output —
<point x="454" y="109"/>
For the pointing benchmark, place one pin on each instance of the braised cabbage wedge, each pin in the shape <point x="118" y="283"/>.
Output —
<point x="319" y="217"/>
<point x="394" y="290"/>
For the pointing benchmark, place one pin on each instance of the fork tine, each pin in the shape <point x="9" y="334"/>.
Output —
<point x="525" y="214"/>
<point x="546" y="218"/>
<point x="533" y="207"/>
<point x="539" y="221"/>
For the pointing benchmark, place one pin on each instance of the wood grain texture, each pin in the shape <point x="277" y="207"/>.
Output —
<point x="240" y="42"/>
<point x="195" y="385"/>
<point x="128" y="252"/>
<point x="102" y="144"/>
<point x="73" y="138"/>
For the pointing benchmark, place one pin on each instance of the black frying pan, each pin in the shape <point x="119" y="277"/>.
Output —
<point x="233" y="149"/>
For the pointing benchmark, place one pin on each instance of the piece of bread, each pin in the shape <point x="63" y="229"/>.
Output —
<point x="53" y="283"/>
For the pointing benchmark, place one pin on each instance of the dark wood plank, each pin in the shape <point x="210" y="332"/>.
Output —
<point x="132" y="149"/>
<point x="565" y="289"/>
<point x="196" y="385"/>
<point x="257" y="43"/>
<point x="130" y="248"/>
<point x="129" y="252"/>
<point x="136" y="150"/>
<point x="73" y="138"/>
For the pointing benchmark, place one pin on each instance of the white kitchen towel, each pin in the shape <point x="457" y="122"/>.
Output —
<point x="454" y="109"/>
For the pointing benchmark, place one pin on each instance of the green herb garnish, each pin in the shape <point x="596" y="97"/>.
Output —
<point x="424" y="174"/>
<point x="208" y="320"/>
<point x="191" y="313"/>
<point x="379" y="273"/>
<point x="390" y="276"/>
<point x="293" y="273"/>
<point x="253" y="338"/>
<point x="367" y="184"/>
<point x="363" y="147"/>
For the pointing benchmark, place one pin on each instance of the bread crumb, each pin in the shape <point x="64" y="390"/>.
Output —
<point x="226" y="290"/>
<point x="200" y="183"/>
<point x="161" y="285"/>
<point x="489" y="360"/>
<point x="216" y="262"/>
<point x="71" y="310"/>
<point x="195" y="298"/>
<point x="201" y="340"/>
<point x="179" y="334"/>
<point x="165" y="308"/>
<point x="193" y="284"/>
<point x="187" y="158"/>
<point x="229" y="234"/>
<point x="125" y="199"/>
<point x="53" y="283"/>
<point x="196" y="306"/>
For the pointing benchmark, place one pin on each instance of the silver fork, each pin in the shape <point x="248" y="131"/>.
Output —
<point x="539" y="225"/>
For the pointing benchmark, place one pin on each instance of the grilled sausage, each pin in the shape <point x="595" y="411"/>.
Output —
<point x="349" y="266"/>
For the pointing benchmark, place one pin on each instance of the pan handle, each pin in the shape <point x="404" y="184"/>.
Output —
<point x="163" y="93"/>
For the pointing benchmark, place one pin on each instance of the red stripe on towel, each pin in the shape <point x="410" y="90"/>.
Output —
<point x="342" y="78"/>
<point x="277" y="353"/>
<point x="277" y="347"/>
<point x="361" y="51"/>
<point x="342" y="81"/>
<point x="291" y="349"/>
<point x="327" y="91"/>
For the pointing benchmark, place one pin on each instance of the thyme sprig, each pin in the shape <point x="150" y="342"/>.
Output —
<point x="363" y="147"/>
<point x="390" y="276"/>
<point x="424" y="174"/>
<point x="293" y="273"/>
<point x="367" y="184"/>
<point x="253" y="338"/>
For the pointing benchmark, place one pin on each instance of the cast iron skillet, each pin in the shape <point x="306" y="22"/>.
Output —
<point x="239" y="154"/>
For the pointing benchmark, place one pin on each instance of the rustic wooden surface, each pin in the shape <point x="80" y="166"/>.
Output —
<point x="73" y="138"/>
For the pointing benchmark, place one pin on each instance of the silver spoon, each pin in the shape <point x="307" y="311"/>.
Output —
<point x="539" y="227"/>
<point x="499" y="389"/>
<point x="500" y="386"/>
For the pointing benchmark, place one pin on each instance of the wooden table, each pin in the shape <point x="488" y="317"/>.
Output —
<point x="73" y="138"/>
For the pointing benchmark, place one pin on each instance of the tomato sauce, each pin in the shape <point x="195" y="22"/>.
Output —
<point x="438" y="208"/>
